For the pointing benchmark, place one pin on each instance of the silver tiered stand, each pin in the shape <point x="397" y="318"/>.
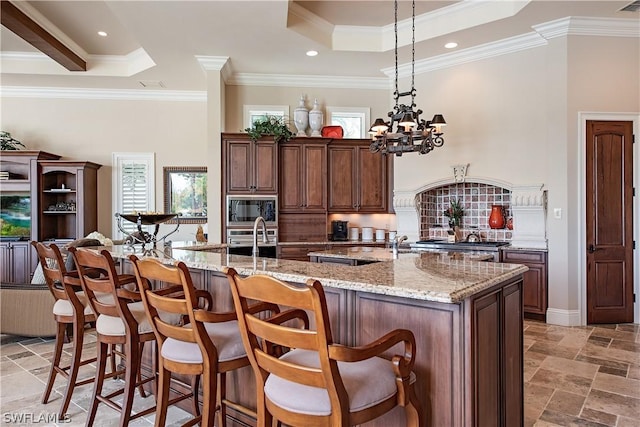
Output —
<point x="144" y="237"/>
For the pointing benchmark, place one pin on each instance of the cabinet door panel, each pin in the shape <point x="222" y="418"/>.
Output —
<point x="315" y="174"/>
<point x="266" y="167"/>
<point x="238" y="167"/>
<point x="535" y="281"/>
<point x="372" y="181"/>
<point x="486" y="346"/>
<point x="341" y="179"/>
<point x="513" y="363"/>
<point x="290" y="178"/>
<point x="534" y="292"/>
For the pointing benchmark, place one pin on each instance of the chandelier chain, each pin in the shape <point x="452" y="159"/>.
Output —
<point x="406" y="132"/>
<point x="413" y="53"/>
<point x="395" y="28"/>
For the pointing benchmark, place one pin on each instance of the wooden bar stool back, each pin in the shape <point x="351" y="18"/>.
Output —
<point x="71" y="308"/>
<point x="208" y="344"/>
<point x="121" y="320"/>
<point x="318" y="382"/>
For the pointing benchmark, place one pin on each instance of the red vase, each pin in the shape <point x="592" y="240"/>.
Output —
<point x="496" y="219"/>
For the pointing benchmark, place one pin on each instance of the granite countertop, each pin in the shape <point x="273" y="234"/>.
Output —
<point x="427" y="276"/>
<point x="333" y="243"/>
<point x="361" y="253"/>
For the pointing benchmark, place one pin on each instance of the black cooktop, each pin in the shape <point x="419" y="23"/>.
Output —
<point x="436" y="243"/>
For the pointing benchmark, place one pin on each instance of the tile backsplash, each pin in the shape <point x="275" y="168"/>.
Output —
<point x="475" y="198"/>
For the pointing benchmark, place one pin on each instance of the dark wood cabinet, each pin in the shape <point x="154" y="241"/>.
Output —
<point x="249" y="167"/>
<point x="359" y="180"/>
<point x="303" y="176"/>
<point x="295" y="227"/>
<point x="20" y="179"/>
<point x="17" y="262"/>
<point x="535" y="281"/>
<point x="68" y="199"/>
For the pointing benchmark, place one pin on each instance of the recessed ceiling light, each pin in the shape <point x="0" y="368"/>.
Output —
<point x="102" y="33"/>
<point x="451" y="45"/>
<point x="312" y="52"/>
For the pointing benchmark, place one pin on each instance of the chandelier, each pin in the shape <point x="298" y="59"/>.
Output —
<point x="411" y="133"/>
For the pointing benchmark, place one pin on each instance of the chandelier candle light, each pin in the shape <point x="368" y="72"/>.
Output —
<point x="412" y="132"/>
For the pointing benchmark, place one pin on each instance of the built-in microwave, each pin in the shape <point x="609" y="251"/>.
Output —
<point x="242" y="210"/>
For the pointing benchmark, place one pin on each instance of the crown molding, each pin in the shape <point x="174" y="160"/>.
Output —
<point x="288" y="80"/>
<point x="216" y="63"/>
<point x="588" y="26"/>
<point x="578" y="26"/>
<point x="455" y="17"/>
<point x="485" y="51"/>
<point x="104" y="94"/>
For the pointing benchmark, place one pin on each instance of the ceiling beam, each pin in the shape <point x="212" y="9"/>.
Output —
<point x="15" y="20"/>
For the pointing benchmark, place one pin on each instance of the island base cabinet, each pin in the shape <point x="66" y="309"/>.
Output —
<point x="469" y="355"/>
<point x="438" y="333"/>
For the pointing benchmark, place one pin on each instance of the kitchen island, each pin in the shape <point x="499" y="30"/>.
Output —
<point x="466" y="316"/>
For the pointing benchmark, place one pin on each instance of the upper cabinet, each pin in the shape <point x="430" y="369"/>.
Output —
<point x="359" y="180"/>
<point x="19" y="168"/>
<point x="249" y="167"/>
<point x="68" y="199"/>
<point x="303" y="176"/>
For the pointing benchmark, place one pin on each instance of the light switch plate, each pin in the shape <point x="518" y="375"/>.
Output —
<point x="557" y="213"/>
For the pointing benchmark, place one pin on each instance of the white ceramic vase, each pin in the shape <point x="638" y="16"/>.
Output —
<point x="301" y="118"/>
<point x="316" y="119"/>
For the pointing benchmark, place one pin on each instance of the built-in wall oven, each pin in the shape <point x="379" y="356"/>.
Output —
<point x="243" y="210"/>
<point x="241" y="214"/>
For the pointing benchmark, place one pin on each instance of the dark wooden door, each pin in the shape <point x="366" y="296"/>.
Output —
<point x="609" y="222"/>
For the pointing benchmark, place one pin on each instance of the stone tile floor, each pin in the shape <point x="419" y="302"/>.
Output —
<point x="579" y="376"/>
<point x="582" y="376"/>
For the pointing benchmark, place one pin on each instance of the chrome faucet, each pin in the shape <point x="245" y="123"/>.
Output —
<point x="265" y="238"/>
<point x="395" y="243"/>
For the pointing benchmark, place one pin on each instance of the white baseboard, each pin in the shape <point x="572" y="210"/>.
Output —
<point x="563" y="317"/>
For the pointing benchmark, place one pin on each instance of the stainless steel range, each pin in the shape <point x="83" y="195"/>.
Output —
<point x="436" y="244"/>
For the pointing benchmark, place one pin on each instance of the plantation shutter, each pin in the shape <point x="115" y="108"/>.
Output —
<point x="133" y="187"/>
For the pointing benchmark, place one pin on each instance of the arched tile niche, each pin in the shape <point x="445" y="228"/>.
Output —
<point x="476" y="198"/>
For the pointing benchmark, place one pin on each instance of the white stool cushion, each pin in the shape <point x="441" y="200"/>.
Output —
<point x="63" y="307"/>
<point x="114" y="326"/>
<point x="225" y="336"/>
<point x="368" y="383"/>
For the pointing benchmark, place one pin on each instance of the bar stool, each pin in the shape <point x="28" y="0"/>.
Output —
<point x="71" y="308"/>
<point x="121" y="321"/>
<point x="208" y="344"/>
<point x="318" y="382"/>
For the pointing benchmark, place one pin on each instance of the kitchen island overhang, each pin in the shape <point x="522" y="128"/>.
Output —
<point x="466" y="316"/>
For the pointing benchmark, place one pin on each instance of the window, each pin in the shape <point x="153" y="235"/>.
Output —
<point x="133" y="187"/>
<point x="252" y="112"/>
<point x="355" y="121"/>
<point x="185" y="192"/>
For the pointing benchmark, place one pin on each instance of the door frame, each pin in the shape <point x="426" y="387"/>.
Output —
<point x="583" y="117"/>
